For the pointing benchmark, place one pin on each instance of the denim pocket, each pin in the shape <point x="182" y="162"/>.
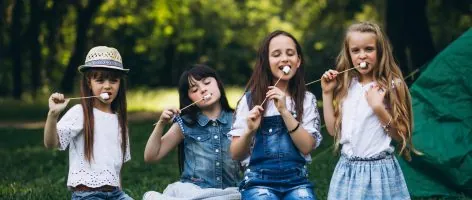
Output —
<point x="199" y="137"/>
<point x="272" y="139"/>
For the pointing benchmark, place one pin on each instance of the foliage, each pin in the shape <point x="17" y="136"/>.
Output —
<point x="158" y="39"/>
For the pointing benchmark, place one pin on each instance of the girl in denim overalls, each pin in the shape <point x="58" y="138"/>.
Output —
<point x="373" y="106"/>
<point x="207" y="168"/>
<point x="275" y="139"/>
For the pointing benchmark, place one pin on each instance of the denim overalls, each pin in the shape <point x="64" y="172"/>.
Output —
<point x="207" y="162"/>
<point x="275" y="162"/>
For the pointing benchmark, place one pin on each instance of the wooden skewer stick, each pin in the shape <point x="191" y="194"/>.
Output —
<point x="203" y="98"/>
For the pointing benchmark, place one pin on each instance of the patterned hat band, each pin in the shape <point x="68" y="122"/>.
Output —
<point x="104" y="62"/>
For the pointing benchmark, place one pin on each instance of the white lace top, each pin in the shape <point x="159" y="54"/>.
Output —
<point x="104" y="168"/>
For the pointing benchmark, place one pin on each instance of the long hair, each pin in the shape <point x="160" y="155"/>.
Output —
<point x="386" y="73"/>
<point x="197" y="72"/>
<point x="118" y="106"/>
<point x="262" y="76"/>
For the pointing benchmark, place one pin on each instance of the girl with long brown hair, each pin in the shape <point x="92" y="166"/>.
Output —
<point x="364" y="109"/>
<point x="96" y="130"/>
<point x="274" y="140"/>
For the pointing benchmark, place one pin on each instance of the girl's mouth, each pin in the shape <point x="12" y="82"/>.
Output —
<point x="285" y="68"/>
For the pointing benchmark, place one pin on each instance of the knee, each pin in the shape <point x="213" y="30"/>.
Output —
<point x="300" y="193"/>
<point x="258" y="193"/>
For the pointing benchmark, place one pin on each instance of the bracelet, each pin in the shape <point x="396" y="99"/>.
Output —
<point x="293" y="130"/>
<point x="385" y="127"/>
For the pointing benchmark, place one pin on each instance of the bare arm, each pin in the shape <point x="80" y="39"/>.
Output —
<point x="375" y="97"/>
<point x="159" y="146"/>
<point x="385" y="118"/>
<point x="328" y="112"/>
<point x="300" y="137"/>
<point x="328" y="82"/>
<point x="57" y="104"/>
<point x="240" y="146"/>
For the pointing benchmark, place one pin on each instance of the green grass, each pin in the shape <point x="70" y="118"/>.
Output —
<point x="29" y="171"/>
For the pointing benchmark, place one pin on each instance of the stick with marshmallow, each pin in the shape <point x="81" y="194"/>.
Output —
<point x="362" y="65"/>
<point x="102" y="96"/>
<point x="286" y="70"/>
<point x="206" y="97"/>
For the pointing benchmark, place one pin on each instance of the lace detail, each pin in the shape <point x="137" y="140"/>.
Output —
<point x="93" y="178"/>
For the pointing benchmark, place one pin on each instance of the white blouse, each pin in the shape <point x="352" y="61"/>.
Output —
<point x="310" y="120"/>
<point x="104" y="168"/>
<point x="362" y="134"/>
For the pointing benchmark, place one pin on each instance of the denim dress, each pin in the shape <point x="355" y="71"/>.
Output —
<point x="275" y="164"/>
<point x="207" y="162"/>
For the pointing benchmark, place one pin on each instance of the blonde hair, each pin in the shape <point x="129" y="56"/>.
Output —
<point x="386" y="73"/>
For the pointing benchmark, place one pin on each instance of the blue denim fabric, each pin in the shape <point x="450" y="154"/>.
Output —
<point x="208" y="163"/>
<point x="276" y="165"/>
<point x="116" y="194"/>
<point x="262" y="193"/>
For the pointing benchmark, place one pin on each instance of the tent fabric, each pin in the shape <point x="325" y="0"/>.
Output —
<point x="442" y="110"/>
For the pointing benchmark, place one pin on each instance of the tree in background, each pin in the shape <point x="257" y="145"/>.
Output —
<point x="159" y="38"/>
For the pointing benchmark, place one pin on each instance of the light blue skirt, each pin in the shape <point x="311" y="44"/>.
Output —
<point x="378" y="177"/>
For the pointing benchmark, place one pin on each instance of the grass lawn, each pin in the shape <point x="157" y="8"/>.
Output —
<point x="29" y="171"/>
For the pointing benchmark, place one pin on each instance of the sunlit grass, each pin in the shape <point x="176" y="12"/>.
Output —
<point x="158" y="99"/>
<point x="139" y="100"/>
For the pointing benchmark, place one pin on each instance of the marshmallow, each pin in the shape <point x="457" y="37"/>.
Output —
<point x="104" y="96"/>
<point x="363" y="65"/>
<point x="206" y="97"/>
<point x="286" y="69"/>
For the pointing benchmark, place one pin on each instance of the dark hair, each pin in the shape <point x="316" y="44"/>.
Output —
<point x="198" y="72"/>
<point x="117" y="106"/>
<point x="262" y="77"/>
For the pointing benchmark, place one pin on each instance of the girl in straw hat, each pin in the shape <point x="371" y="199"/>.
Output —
<point x="95" y="130"/>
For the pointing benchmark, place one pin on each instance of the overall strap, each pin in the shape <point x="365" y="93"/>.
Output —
<point x="248" y="99"/>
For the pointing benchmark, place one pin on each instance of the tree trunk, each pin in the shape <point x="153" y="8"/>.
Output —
<point x="36" y="10"/>
<point x="84" y="19"/>
<point x="395" y="26"/>
<point x="408" y="29"/>
<point x="16" y="49"/>
<point x="420" y="39"/>
<point x="54" y="20"/>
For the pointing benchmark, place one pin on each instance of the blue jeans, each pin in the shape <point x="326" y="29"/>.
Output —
<point x="264" y="193"/>
<point x="96" y="195"/>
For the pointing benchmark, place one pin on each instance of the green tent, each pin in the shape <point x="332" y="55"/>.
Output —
<point x="442" y="109"/>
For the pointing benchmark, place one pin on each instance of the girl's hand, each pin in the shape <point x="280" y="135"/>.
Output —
<point x="57" y="103"/>
<point x="328" y="81"/>
<point x="375" y="96"/>
<point x="168" y="114"/>
<point x="254" y="118"/>
<point x="278" y="96"/>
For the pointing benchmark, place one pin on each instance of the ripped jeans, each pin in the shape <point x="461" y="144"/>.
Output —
<point x="262" y="193"/>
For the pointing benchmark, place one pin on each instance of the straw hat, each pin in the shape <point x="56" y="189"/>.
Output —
<point x="103" y="57"/>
